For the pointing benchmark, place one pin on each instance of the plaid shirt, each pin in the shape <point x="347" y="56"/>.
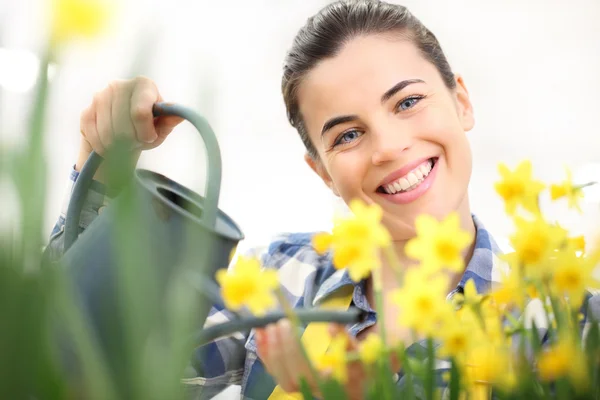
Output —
<point x="307" y="278"/>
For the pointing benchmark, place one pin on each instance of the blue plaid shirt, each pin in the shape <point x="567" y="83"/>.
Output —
<point x="307" y="279"/>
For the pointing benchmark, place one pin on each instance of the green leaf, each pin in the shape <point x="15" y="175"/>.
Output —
<point x="333" y="390"/>
<point x="305" y="390"/>
<point x="592" y="348"/>
<point x="454" y="381"/>
<point x="384" y="382"/>
<point x="563" y="389"/>
<point x="430" y="372"/>
<point x="536" y="344"/>
<point x="408" y="389"/>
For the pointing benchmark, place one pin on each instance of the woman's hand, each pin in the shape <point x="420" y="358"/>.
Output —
<point x="281" y="355"/>
<point x="124" y="109"/>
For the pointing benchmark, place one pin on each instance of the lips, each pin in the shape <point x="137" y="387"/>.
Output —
<point x="408" y="176"/>
<point x="410" y="182"/>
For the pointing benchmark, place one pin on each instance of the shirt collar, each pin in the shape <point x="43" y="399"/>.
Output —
<point x="485" y="267"/>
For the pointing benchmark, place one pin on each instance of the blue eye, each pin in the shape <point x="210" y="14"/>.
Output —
<point x="348" y="137"/>
<point x="407" y="103"/>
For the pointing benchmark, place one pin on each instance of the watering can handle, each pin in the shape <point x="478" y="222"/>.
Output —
<point x="213" y="166"/>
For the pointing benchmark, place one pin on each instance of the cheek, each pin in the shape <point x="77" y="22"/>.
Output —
<point x="347" y="172"/>
<point x="445" y="130"/>
<point x="440" y="124"/>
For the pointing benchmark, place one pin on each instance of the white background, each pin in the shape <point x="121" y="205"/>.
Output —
<point x="532" y="68"/>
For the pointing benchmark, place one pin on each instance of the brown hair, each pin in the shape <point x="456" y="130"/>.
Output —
<point x="325" y="33"/>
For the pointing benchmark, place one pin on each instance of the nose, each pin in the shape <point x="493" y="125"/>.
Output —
<point x="389" y="142"/>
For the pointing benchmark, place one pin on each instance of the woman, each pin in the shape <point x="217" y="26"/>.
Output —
<point x="384" y="119"/>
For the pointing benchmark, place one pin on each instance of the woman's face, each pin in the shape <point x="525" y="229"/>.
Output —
<point x="389" y="131"/>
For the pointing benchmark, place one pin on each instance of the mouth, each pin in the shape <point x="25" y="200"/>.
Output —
<point x="409" y="185"/>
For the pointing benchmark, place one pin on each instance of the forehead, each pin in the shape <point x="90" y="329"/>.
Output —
<point x="359" y="74"/>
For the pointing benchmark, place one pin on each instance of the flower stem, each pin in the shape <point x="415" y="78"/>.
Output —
<point x="379" y="303"/>
<point x="579" y="187"/>
<point x="515" y="324"/>
<point x="380" y="309"/>
<point x="429" y="377"/>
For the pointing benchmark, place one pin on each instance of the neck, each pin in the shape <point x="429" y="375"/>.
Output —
<point x="467" y="225"/>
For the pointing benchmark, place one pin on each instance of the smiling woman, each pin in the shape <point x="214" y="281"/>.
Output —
<point x="384" y="120"/>
<point x="379" y="113"/>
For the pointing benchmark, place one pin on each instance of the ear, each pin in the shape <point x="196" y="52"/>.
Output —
<point x="320" y="170"/>
<point x="464" y="106"/>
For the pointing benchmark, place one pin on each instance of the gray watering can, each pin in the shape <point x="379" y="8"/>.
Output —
<point x="173" y="226"/>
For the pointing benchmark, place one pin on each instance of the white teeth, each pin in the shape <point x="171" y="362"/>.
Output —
<point x="404" y="184"/>
<point x="411" y="180"/>
<point x="425" y="168"/>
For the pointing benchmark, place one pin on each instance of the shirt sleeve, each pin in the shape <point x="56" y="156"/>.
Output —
<point x="94" y="202"/>
<point x="217" y="365"/>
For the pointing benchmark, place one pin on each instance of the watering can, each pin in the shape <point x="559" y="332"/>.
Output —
<point x="174" y="225"/>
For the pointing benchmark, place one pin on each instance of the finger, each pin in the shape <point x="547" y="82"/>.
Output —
<point x="102" y="105"/>
<point x="261" y="346"/>
<point x="165" y="125"/>
<point x="275" y="354"/>
<point x="143" y="98"/>
<point x="296" y="365"/>
<point x="278" y="353"/>
<point x="87" y="124"/>
<point x="121" y="116"/>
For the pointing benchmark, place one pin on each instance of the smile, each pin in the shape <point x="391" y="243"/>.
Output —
<point x="411" y="184"/>
<point x="411" y="180"/>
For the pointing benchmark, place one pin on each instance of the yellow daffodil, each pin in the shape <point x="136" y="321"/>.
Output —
<point x="564" y="358"/>
<point x="483" y="323"/>
<point x="566" y="189"/>
<point x="572" y="276"/>
<point x="359" y="260"/>
<point x="577" y="243"/>
<point x="370" y="349"/>
<point x="488" y="363"/>
<point x="456" y="339"/>
<point x="519" y="188"/>
<point x="334" y="360"/>
<point x="78" y="18"/>
<point x="356" y="240"/>
<point x="469" y="296"/>
<point x="482" y="316"/>
<point x="422" y="299"/>
<point x="439" y="244"/>
<point x="554" y="363"/>
<point x="322" y="242"/>
<point x="511" y="290"/>
<point x="534" y="242"/>
<point x="246" y="284"/>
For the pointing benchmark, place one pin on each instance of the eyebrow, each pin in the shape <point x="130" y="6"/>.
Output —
<point x="398" y="87"/>
<point x="385" y="97"/>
